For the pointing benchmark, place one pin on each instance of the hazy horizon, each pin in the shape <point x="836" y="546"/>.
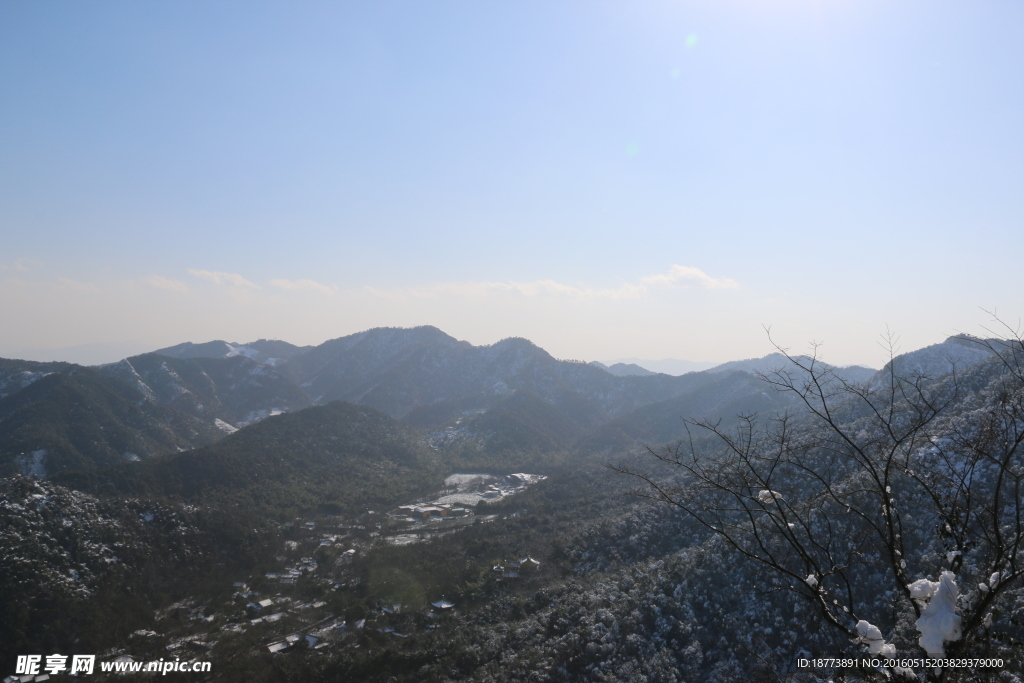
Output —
<point x="99" y="354"/>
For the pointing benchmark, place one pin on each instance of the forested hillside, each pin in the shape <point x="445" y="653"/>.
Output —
<point x="79" y="418"/>
<point x="338" y="456"/>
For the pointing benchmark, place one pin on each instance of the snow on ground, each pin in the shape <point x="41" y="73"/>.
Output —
<point x="472" y="488"/>
<point x="242" y="350"/>
<point x="470" y="499"/>
<point x="174" y="382"/>
<point x="19" y="381"/>
<point x="406" y="539"/>
<point x="224" y="426"/>
<point x="257" y="415"/>
<point x="464" y="481"/>
<point x="127" y="372"/>
<point x="469" y="488"/>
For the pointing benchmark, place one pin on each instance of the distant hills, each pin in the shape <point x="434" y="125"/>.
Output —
<point x="336" y="455"/>
<point x="430" y="377"/>
<point x="623" y="369"/>
<point x="731" y="394"/>
<point x="776" y="361"/>
<point x="263" y="351"/>
<point x="668" y="366"/>
<point x="507" y="396"/>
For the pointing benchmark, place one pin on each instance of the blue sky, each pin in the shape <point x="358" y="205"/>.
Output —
<point x="645" y="179"/>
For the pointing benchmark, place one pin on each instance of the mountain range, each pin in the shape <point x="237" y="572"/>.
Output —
<point x="511" y="395"/>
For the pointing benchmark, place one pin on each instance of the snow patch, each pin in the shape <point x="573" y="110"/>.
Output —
<point x="242" y="350"/>
<point x="938" y="622"/>
<point x="129" y="374"/>
<point x="224" y="426"/>
<point x="19" y="381"/>
<point x="131" y="457"/>
<point x="470" y="489"/>
<point x="871" y="636"/>
<point x="175" y="382"/>
<point x="463" y="482"/>
<point x="923" y="589"/>
<point x="257" y="415"/>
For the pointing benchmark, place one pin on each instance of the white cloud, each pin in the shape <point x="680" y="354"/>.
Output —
<point x="678" y="276"/>
<point x="167" y="284"/>
<point x="220" y="279"/>
<point x="683" y="275"/>
<point x="299" y="285"/>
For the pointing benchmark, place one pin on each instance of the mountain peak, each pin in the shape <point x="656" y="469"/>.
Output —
<point x="623" y="369"/>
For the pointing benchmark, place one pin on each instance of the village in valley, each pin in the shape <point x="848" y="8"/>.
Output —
<point x="294" y="606"/>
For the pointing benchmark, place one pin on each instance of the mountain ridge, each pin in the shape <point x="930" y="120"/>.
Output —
<point x="157" y="404"/>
